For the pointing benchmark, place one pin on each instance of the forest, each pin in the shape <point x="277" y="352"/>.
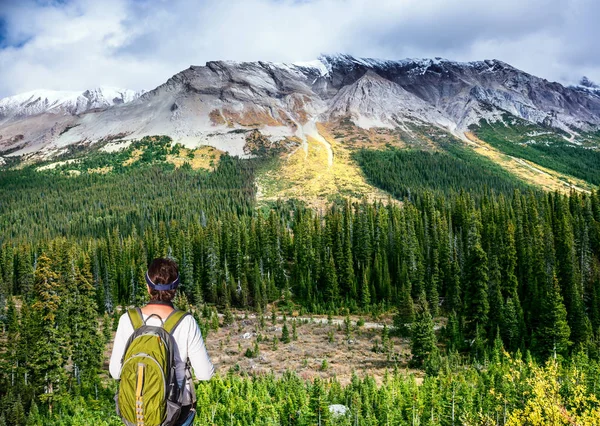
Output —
<point x="497" y="286"/>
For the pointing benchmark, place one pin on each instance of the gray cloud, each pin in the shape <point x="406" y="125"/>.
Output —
<point x="138" y="44"/>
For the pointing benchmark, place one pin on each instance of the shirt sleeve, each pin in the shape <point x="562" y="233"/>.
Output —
<point x="124" y="330"/>
<point x="201" y="364"/>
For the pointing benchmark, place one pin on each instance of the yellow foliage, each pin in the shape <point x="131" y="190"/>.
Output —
<point x="545" y="406"/>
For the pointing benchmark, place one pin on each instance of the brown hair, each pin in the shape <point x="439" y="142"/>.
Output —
<point x="162" y="271"/>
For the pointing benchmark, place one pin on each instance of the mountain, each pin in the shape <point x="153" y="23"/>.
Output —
<point x="218" y="103"/>
<point x="63" y="102"/>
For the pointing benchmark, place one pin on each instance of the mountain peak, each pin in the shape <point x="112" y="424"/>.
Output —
<point x="222" y="100"/>
<point x="64" y="102"/>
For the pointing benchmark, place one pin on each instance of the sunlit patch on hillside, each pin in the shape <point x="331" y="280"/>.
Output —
<point x="306" y="174"/>
<point x="205" y="157"/>
<point x="547" y="179"/>
<point x="135" y="156"/>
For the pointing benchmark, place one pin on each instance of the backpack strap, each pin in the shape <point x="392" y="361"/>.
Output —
<point x="173" y="320"/>
<point x="190" y="381"/>
<point x="135" y="316"/>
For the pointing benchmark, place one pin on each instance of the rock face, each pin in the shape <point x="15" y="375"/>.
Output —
<point x="211" y="104"/>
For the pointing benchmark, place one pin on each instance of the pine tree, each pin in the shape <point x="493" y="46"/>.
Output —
<point x="318" y="404"/>
<point x="294" y="330"/>
<point x="17" y="413"/>
<point x="285" y="334"/>
<point x="511" y="332"/>
<point x="552" y="336"/>
<point x="453" y="332"/>
<point x="33" y="418"/>
<point x="365" y="294"/>
<point x="406" y="312"/>
<point x="433" y="283"/>
<point x="331" y="282"/>
<point x="47" y="354"/>
<point x="477" y="305"/>
<point x="453" y="300"/>
<point x="86" y="341"/>
<point x="12" y="334"/>
<point x="496" y="301"/>
<point x="423" y="336"/>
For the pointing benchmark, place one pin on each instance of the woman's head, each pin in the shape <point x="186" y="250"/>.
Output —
<point x="162" y="272"/>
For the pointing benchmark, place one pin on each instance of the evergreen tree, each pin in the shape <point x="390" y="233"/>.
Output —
<point x="423" y="338"/>
<point x="86" y="341"/>
<point x="331" y="282"/>
<point x="406" y="313"/>
<point x="453" y="333"/>
<point x="318" y="404"/>
<point x="47" y="354"/>
<point x="552" y="336"/>
<point x="511" y="332"/>
<point x="477" y="305"/>
<point x="285" y="334"/>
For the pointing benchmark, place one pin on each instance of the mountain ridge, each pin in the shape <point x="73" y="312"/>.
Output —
<point x="216" y="103"/>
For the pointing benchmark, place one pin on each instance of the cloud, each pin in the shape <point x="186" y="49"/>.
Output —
<point x="139" y="44"/>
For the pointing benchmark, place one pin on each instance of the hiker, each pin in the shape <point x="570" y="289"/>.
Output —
<point x="140" y="401"/>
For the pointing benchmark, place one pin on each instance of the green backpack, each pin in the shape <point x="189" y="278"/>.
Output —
<point x="148" y="393"/>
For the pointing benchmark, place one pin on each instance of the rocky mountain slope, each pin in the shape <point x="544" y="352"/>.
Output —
<point x="217" y="104"/>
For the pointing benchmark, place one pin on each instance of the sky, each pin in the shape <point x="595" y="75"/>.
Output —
<point x="139" y="44"/>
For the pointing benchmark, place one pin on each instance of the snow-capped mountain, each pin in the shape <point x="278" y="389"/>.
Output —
<point x="63" y="102"/>
<point x="210" y="104"/>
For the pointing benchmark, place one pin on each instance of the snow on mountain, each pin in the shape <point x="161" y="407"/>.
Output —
<point x="63" y="102"/>
<point x="215" y="104"/>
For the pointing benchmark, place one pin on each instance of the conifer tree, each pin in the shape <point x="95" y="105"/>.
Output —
<point x="423" y="336"/>
<point x="453" y="300"/>
<point x="47" y="354"/>
<point x="406" y="312"/>
<point x="365" y="293"/>
<point x="453" y="333"/>
<point x="552" y="336"/>
<point x="86" y="341"/>
<point x="318" y="404"/>
<point x="477" y="304"/>
<point x="285" y="333"/>
<point x="511" y="328"/>
<point x="331" y="282"/>
<point x="12" y="334"/>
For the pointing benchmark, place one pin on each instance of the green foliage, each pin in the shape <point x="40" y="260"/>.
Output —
<point x="40" y="205"/>
<point x="227" y="317"/>
<point x="154" y="150"/>
<point x="552" y="335"/>
<point x="324" y="365"/>
<point x="544" y="146"/>
<point x="285" y="334"/>
<point x="406" y="173"/>
<point x="423" y="338"/>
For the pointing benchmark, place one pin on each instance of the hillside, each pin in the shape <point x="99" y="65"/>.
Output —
<point x="313" y="115"/>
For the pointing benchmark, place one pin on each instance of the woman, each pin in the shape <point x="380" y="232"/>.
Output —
<point x="162" y="280"/>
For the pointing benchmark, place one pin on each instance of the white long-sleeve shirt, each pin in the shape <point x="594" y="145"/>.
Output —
<point x="188" y="344"/>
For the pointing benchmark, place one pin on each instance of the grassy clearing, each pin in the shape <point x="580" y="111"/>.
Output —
<point x="306" y="175"/>
<point x="573" y="155"/>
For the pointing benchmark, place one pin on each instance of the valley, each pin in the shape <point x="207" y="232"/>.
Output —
<point x="409" y="242"/>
